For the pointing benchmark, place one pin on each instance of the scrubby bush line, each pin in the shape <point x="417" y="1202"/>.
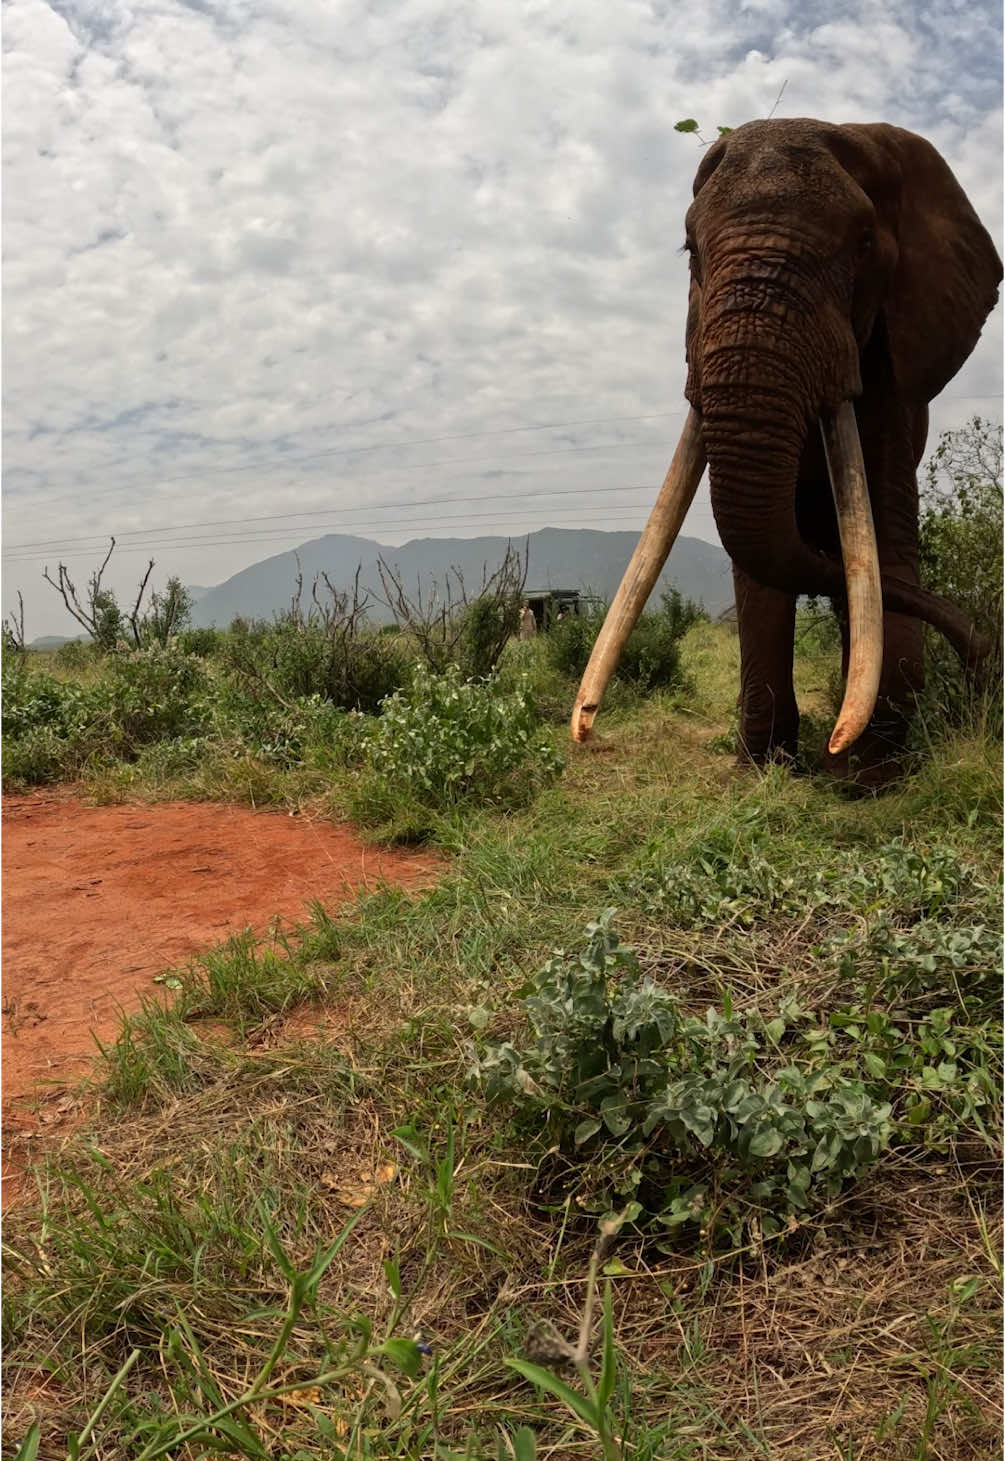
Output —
<point x="316" y="690"/>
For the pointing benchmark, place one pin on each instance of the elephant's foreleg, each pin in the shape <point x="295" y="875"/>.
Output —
<point x="769" y="717"/>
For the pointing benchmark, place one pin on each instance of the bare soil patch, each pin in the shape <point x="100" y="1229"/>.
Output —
<point x="97" y="900"/>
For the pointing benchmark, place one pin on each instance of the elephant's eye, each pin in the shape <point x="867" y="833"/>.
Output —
<point x="691" y="249"/>
<point x="866" y="241"/>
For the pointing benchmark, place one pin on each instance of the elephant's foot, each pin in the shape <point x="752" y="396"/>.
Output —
<point x="876" y="761"/>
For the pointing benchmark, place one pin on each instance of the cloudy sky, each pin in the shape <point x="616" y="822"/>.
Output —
<point x="275" y="268"/>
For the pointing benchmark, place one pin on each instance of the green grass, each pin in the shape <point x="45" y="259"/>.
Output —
<point x="186" y="1266"/>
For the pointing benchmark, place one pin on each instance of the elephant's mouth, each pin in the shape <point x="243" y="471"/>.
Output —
<point x="866" y="591"/>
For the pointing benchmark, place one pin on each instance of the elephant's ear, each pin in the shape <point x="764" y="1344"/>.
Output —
<point x="946" y="278"/>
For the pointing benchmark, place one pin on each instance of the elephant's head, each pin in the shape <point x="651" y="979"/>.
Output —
<point x="811" y="244"/>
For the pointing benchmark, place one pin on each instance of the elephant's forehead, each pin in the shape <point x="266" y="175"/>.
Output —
<point x="780" y="172"/>
<point x="777" y="158"/>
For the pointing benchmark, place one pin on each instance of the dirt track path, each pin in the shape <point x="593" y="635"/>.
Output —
<point x="97" y="900"/>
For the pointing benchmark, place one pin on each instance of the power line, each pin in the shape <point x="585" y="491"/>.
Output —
<point x="97" y="540"/>
<point x="281" y="539"/>
<point x="278" y="536"/>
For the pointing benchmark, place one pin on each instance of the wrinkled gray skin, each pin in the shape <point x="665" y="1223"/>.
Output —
<point x="827" y="263"/>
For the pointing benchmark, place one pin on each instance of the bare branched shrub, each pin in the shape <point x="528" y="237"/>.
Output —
<point x="323" y="648"/>
<point x="99" y="614"/>
<point x="13" y="630"/>
<point x="449" y="625"/>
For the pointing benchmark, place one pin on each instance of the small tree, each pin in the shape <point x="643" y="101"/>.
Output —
<point x="169" y="613"/>
<point x="450" y="626"/>
<point x="100" y="613"/>
<point x="104" y="620"/>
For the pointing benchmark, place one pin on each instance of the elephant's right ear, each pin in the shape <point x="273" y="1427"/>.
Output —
<point x="946" y="279"/>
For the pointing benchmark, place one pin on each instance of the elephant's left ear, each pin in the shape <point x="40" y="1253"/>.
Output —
<point x="946" y="279"/>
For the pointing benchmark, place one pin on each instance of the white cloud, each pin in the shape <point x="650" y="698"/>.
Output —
<point x="238" y="236"/>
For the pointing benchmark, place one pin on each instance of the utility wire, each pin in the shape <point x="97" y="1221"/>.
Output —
<point x="273" y="465"/>
<point x="279" y="536"/>
<point x="96" y="539"/>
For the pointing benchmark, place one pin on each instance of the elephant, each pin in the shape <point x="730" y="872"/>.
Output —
<point x="839" y="278"/>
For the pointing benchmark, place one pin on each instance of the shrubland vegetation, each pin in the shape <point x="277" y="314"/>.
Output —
<point x="667" y="1125"/>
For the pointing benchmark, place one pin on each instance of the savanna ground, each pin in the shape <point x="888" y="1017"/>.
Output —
<point x="126" y="892"/>
<point x="340" y="1195"/>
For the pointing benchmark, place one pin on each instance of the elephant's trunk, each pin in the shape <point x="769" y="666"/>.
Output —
<point x="758" y="403"/>
<point x="754" y="437"/>
<point x="753" y="476"/>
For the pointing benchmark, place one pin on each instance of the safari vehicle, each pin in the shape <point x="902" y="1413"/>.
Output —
<point x="550" y="604"/>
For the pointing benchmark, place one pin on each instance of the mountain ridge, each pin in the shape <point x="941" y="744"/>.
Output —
<point x="588" y="559"/>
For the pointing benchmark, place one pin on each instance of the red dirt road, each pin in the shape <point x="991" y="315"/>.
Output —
<point x="97" y="900"/>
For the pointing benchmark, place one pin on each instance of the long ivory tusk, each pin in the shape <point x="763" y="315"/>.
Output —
<point x="651" y="552"/>
<point x="861" y="568"/>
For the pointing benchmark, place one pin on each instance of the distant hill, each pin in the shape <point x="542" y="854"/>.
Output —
<point x="48" y="642"/>
<point x="558" y="558"/>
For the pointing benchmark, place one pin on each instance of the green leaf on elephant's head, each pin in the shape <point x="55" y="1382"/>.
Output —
<point x="724" y="131"/>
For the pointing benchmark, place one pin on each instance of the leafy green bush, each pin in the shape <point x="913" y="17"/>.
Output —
<point x="47" y="726"/>
<point x="488" y="622"/>
<point x="77" y="655"/>
<point x="201" y="642"/>
<point x="52" y="728"/>
<point x="697" y="1120"/>
<point x="899" y="923"/>
<point x="33" y="699"/>
<point x="527" y="665"/>
<point x="942" y="1072"/>
<point x="961" y="557"/>
<point x="39" y="757"/>
<point x="446" y="741"/>
<point x="718" y="879"/>
<point x="296" y="658"/>
<point x="284" y="733"/>
<point x="151" y="695"/>
<point x="650" y="659"/>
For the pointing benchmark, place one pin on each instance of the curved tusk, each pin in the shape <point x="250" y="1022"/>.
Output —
<point x="651" y="552"/>
<point x="861" y="568"/>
